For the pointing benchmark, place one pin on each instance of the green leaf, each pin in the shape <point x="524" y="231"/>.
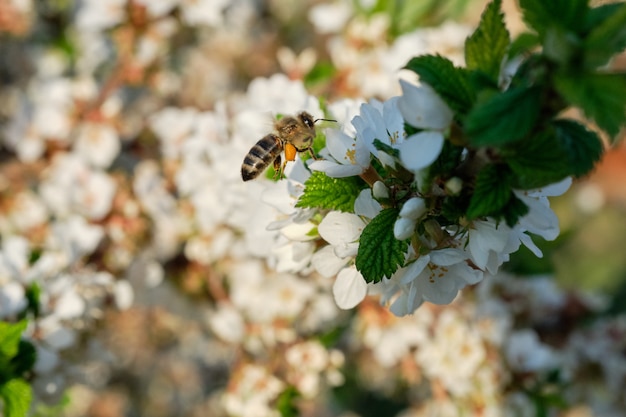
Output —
<point x="542" y="14"/>
<point x="539" y="161"/>
<point x="504" y="117"/>
<point x="602" y="97"/>
<point x="286" y="402"/>
<point x="322" y="191"/>
<point x="448" y="160"/>
<point x="607" y="38"/>
<point x="17" y="396"/>
<point x="380" y="253"/>
<point x="321" y="72"/>
<point x="583" y="146"/>
<point x="388" y="149"/>
<point x="514" y="209"/>
<point x="411" y="13"/>
<point x="25" y="359"/>
<point x="486" y="47"/>
<point x="10" y="335"/>
<point x="451" y="83"/>
<point x="492" y="192"/>
<point x="523" y="44"/>
<point x="33" y="295"/>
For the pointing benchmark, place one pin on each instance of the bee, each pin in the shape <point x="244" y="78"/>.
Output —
<point x="292" y="134"/>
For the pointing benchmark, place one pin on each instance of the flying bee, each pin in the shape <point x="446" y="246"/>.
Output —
<point x="292" y="134"/>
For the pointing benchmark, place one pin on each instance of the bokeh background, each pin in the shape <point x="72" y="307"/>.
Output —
<point x="143" y="261"/>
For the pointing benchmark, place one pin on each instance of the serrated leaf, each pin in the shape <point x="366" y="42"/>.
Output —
<point x="324" y="192"/>
<point x="486" y="47"/>
<point x="538" y="161"/>
<point x="380" y="253"/>
<point x="451" y="83"/>
<point x="504" y="117"/>
<point x="602" y="97"/>
<point x="17" y="396"/>
<point x="583" y="146"/>
<point x="514" y="210"/>
<point x="448" y="159"/>
<point x="389" y="150"/>
<point x="542" y="14"/>
<point x="608" y="36"/>
<point x="523" y="44"/>
<point x="491" y="193"/>
<point x="10" y="335"/>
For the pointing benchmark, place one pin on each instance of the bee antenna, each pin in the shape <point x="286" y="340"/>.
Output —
<point x="326" y="120"/>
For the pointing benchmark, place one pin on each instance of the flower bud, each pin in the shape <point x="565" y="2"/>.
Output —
<point x="379" y="190"/>
<point x="403" y="228"/>
<point x="454" y="186"/>
<point x="413" y="208"/>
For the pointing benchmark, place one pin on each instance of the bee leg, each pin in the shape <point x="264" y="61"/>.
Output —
<point x="282" y="168"/>
<point x="312" y="153"/>
<point x="278" y="169"/>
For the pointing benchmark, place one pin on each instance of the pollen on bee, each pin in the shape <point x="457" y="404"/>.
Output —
<point x="290" y="152"/>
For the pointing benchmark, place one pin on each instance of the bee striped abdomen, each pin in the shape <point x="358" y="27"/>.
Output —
<point x="264" y="152"/>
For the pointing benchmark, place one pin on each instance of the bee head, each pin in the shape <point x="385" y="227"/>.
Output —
<point x="309" y="121"/>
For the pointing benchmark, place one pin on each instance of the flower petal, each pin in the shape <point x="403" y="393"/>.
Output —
<point x="338" y="228"/>
<point x="422" y="107"/>
<point x="335" y="170"/>
<point x="349" y="289"/>
<point x="327" y="263"/>
<point x="365" y="205"/>
<point x="420" y="150"/>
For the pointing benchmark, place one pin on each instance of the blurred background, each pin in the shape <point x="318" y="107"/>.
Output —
<point x="144" y="265"/>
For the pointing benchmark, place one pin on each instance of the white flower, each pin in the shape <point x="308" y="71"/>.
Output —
<point x="71" y="186"/>
<point x="95" y="15"/>
<point x="350" y="156"/>
<point x="172" y="126"/>
<point x="69" y="304"/>
<point x="158" y="8"/>
<point x="252" y="393"/>
<point x="296" y="65"/>
<point x="526" y="353"/>
<point x="203" y="12"/>
<point x="12" y="299"/>
<point x="454" y="354"/>
<point x="279" y="95"/>
<point x="486" y="242"/>
<point x="97" y="143"/>
<point x="330" y="18"/>
<point x="540" y="219"/>
<point x="227" y="323"/>
<point x="344" y="155"/>
<point x="74" y="237"/>
<point x="14" y="259"/>
<point x="436" y="277"/>
<point x="28" y="211"/>
<point x="123" y="294"/>
<point x="384" y="122"/>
